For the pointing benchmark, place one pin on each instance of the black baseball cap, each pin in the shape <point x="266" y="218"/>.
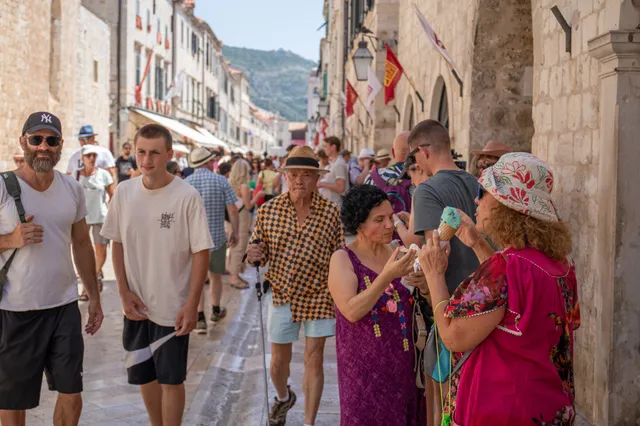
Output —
<point x="40" y="121"/>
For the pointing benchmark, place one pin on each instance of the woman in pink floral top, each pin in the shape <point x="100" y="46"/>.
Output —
<point x="517" y="312"/>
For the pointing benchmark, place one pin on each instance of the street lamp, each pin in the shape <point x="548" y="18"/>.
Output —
<point x="323" y="108"/>
<point x="362" y="60"/>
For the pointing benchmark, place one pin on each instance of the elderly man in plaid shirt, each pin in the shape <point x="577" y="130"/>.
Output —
<point x="296" y="233"/>
<point x="217" y="195"/>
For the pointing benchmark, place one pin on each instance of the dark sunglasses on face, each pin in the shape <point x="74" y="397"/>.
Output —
<point x="91" y="155"/>
<point x="36" y="140"/>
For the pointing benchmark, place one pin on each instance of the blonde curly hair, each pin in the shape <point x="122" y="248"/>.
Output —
<point x="510" y="228"/>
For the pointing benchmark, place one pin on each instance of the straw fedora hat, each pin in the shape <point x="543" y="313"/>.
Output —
<point x="383" y="154"/>
<point x="200" y="156"/>
<point x="493" y="149"/>
<point x="302" y="157"/>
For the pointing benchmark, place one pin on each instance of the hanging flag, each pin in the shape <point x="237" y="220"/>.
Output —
<point x="373" y="88"/>
<point x="352" y="97"/>
<point x="138" y="90"/>
<point x="175" y="90"/>
<point x="316" y="140"/>
<point x="324" y="126"/>
<point x="392" y="74"/>
<point x="437" y="43"/>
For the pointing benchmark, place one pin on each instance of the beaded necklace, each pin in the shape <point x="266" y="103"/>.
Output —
<point x="391" y="303"/>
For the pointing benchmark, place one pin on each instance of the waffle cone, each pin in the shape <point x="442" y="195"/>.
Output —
<point x="446" y="232"/>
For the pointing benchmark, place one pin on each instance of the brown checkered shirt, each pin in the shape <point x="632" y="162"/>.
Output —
<point x="299" y="256"/>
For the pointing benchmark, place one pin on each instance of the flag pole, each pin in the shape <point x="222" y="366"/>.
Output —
<point x="365" y="108"/>
<point x="414" y="89"/>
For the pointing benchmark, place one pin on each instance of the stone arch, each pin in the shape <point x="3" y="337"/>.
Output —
<point x="440" y="103"/>
<point x="409" y="116"/>
<point x="502" y="75"/>
<point x="55" y="47"/>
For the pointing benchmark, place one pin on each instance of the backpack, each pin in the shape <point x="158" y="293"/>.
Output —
<point x="397" y="190"/>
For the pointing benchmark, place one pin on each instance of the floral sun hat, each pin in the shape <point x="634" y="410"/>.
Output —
<point x="524" y="183"/>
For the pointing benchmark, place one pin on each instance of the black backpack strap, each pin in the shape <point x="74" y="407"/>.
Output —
<point x="13" y="188"/>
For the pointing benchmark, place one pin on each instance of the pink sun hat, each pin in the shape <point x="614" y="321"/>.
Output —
<point x="524" y="183"/>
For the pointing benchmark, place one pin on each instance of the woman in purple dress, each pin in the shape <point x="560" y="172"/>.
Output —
<point x="374" y="316"/>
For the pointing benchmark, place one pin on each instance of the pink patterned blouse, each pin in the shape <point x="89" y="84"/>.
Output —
<point x="522" y="373"/>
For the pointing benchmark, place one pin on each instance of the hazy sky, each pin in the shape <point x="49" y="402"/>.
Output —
<point x="266" y="25"/>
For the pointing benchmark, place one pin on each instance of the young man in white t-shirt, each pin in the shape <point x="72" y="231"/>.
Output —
<point x="40" y="323"/>
<point x="161" y="243"/>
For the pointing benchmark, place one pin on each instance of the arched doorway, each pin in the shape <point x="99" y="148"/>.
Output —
<point x="409" y="115"/>
<point x="440" y="103"/>
<point x="502" y="76"/>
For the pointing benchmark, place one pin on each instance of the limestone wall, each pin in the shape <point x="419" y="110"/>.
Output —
<point x="92" y="101"/>
<point x="26" y="83"/>
<point x="521" y="87"/>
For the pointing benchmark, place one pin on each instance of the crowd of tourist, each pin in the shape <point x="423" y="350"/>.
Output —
<point x="471" y="330"/>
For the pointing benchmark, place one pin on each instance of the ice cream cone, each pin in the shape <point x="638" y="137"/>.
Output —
<point x="446" y="232"/>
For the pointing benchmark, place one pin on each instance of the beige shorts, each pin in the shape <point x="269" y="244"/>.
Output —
<point x="95" y="234"/>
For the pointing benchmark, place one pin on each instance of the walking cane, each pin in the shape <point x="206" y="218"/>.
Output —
<point x="260" y="290"/>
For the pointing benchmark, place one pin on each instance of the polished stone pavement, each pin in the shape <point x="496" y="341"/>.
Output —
<point x="225" y="378"/>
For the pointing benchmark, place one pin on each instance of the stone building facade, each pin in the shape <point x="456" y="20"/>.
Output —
<point x="45" y="58"/>
<point x="575" y="106"/>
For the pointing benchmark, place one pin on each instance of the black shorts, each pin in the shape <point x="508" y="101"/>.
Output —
<point x="31" y="342"/>
<point x="167" y="363"/>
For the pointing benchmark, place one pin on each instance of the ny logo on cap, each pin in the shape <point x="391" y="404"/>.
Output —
<point x="46" y="118"/>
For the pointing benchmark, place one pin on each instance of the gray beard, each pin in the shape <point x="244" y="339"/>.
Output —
<point x="41" y="165"/>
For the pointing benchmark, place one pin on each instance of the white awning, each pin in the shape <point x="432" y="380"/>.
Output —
<point x="174" y="126"/>
<point x="181" y="148"/>
<point x="212" y="140"/>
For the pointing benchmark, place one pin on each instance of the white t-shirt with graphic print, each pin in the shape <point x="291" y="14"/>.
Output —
<point x="159" y="230"/>
<point x="42" y="275"/>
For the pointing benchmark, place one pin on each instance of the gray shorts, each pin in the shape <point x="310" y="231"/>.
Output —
<point x="95" y="234"/>
<point x="217" y="260"/>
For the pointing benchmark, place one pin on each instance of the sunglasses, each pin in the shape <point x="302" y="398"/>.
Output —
<point x="481" y="192"/>
<point x="37" y="140"/>
<point x="91" y="155"/>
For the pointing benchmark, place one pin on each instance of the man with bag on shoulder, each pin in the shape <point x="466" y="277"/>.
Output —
<point x="42" y="214"/>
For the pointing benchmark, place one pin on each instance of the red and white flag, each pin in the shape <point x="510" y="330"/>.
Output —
<point x="437" y="43"/>
<point x="392" y="74"/>
<point x="373" y="88"/>
<point x="352" y="97"/>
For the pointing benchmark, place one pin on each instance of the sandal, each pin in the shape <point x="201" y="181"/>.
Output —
<point x="84" y="297"/>
<point x="240" y="284"/>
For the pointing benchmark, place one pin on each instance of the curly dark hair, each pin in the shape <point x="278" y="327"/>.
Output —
<point x="357" y="203"/>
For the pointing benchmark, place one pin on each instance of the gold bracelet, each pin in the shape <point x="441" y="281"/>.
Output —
<point x="438" y="305"/>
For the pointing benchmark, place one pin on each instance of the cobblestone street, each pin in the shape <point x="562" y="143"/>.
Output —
<point x="224" y="383"/>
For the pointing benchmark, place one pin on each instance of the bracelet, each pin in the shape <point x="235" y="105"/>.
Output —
<point x="438" y="305"/>
<point x="395" y="224"/>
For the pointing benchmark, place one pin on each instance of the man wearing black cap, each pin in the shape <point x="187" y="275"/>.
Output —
<point x="105" y="160"/>
<point x="40" y="324"/>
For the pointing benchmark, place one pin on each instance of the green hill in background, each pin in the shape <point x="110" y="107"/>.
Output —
<point x="278" y="79"/>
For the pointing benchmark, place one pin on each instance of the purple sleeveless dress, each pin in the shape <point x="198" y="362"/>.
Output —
<point x="376" y="379"/>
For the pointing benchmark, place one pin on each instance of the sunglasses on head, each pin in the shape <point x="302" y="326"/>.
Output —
<point x="36" y="140"/>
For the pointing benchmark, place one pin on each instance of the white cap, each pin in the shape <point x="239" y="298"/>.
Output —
<point x="366" y="153"/>
<point x="89" y="149"/>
